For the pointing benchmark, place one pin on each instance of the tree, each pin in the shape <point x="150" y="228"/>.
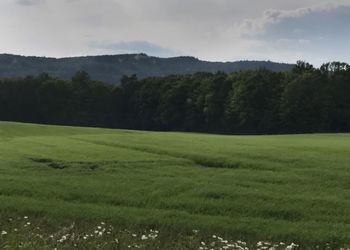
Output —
<point x="253" y="104"/>
<point x="305" y="104"/>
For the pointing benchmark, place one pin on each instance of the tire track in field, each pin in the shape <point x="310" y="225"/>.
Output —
<point x="196" y="159"/>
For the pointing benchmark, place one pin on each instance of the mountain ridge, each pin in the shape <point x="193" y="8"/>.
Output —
<point x="111" y="68"/>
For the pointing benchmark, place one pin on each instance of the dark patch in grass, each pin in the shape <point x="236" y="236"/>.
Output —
<point x="215" y="163"/>
<point x="271" y="181"/>
<point x="89" y="165"/>
<point x="41" y="160"/>
<point x="282" y="215"/>
<point x="214" y="195"/>
<point x="62" y="165"/>
<point x="261" y="167"/>
<point x="49" y="163"/>
<point x="57" y="165"/>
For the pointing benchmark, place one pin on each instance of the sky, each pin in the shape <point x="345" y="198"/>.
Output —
<point x="315" y="31"/>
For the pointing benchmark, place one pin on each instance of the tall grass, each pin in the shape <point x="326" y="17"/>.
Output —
<point x="291" y="188"/>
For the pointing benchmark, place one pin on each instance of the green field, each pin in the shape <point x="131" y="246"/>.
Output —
<point x="279" y="188"/>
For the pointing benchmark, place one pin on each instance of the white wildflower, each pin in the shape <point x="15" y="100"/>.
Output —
<point x="3" y="232"/>
<point x="292" y="246"/>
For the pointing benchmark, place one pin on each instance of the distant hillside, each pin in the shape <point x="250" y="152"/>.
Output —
<point x="110" y="68"/>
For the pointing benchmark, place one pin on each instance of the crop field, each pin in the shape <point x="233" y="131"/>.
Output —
<point x="89" y="188"/>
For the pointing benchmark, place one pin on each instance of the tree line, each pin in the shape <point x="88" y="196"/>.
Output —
<point x="304" y="99"/>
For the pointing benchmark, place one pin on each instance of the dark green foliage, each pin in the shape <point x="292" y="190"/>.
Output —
<point x="253" y="103"/>
<point x="304" y="99"/>
<point x="305" y="105"/>
<point x="338" y="78"/>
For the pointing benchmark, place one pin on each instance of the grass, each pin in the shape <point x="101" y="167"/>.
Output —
<point x="277" y="188"/>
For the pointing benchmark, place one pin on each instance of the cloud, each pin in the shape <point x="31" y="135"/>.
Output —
<point x="317" y="33"/>
<point x="133" y="47"/>
<point x="30" y="2"/>
<point x="320" y="13"/>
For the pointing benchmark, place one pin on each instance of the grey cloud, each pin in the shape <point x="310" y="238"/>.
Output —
<point x="30" y="2"/>
<point x="332" y="13"/>
<point x="321" y="32"/>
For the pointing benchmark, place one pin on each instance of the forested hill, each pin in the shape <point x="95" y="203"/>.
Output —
<point x="111" y="68"/>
